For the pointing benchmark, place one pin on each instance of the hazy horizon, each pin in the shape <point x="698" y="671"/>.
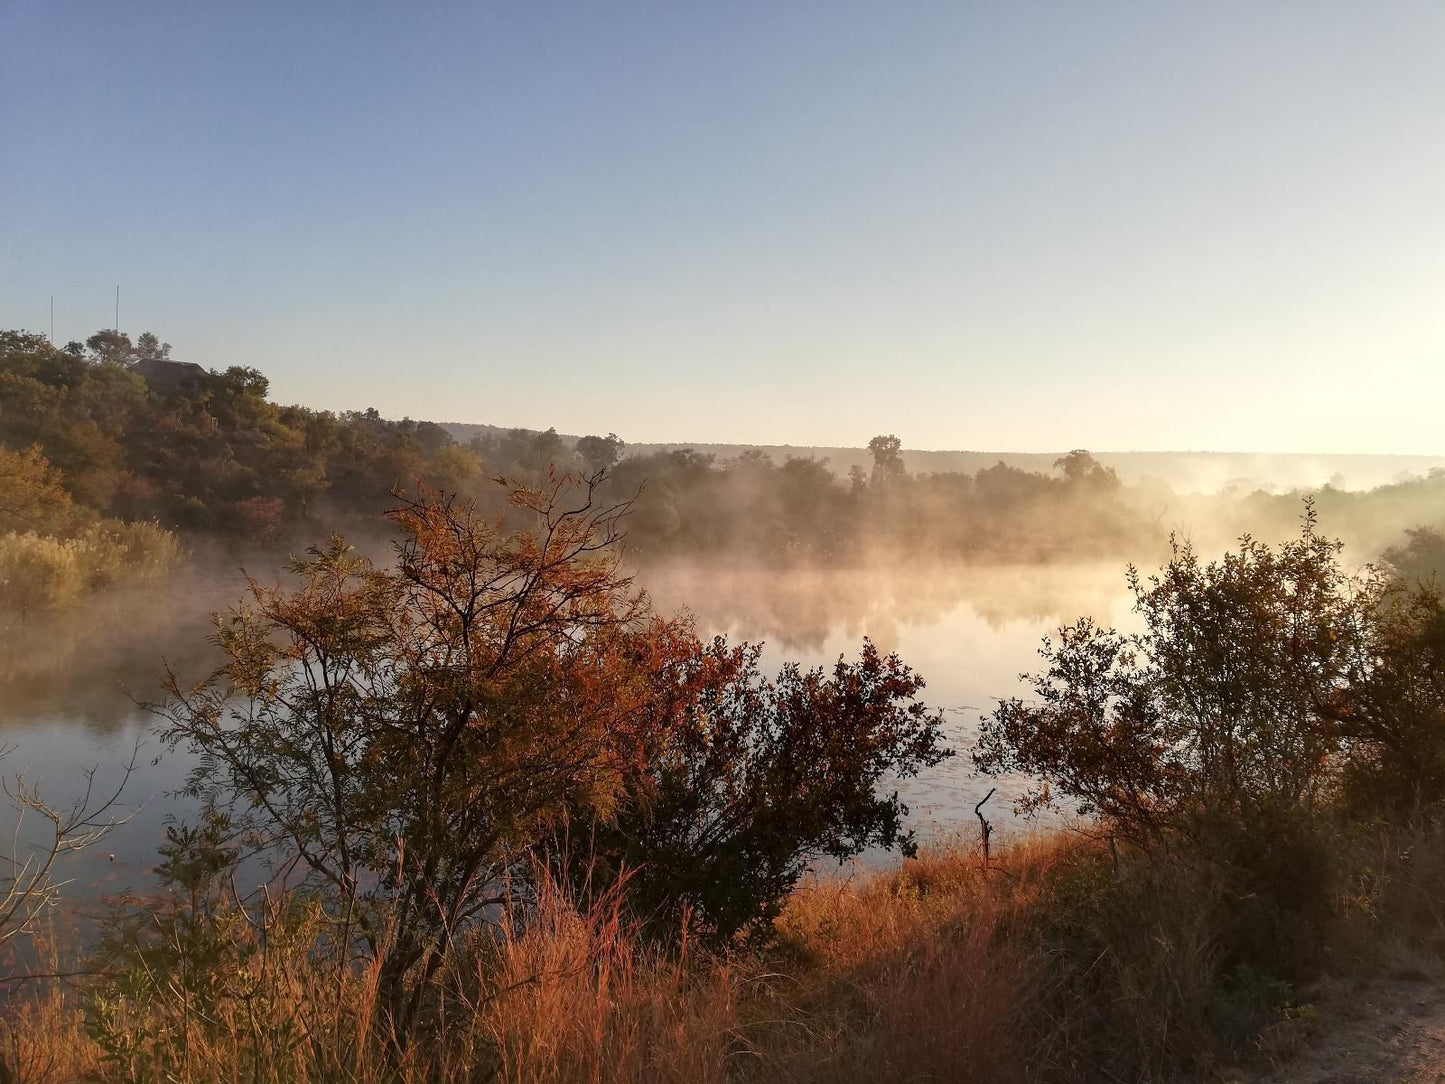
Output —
<point x="862" y="446"/>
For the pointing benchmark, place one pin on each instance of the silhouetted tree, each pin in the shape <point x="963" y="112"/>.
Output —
<point x="600" y="453"/>
<point x="1421" y="558"/>
<point x="1226" y="705"/>
<point x="149" y="348"/>
<point x="1081" y="468"/>
<point x="887" y="455"/>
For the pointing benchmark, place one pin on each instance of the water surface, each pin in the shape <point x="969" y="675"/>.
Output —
<point x="73" y="690"/>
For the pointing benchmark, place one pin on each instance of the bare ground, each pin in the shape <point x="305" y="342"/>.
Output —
<point x="1389" y="1030"/>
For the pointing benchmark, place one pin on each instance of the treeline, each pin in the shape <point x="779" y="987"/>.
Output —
<point x="130" y="433"/>
<point x="799" y="509"/>
<point x="133" y="434"/>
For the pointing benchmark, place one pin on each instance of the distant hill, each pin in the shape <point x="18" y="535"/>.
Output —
<point x="1185" y="471"/>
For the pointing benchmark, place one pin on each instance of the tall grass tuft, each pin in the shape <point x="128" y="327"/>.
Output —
<point x="42" y="573"/>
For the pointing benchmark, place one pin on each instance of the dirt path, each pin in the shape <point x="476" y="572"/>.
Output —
<point x="1390" y="1031"/>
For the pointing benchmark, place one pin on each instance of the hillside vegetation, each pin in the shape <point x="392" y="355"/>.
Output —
<point x="129" y="434"/>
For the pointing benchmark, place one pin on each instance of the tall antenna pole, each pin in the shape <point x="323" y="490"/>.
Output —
<point x="117" y="308"/>
<point x="52" y="319"/>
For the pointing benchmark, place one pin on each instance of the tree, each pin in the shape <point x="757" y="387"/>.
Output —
<point x="406" y="735"/>
<point x="600" y="453"/>
<point x="1082" y="469"/>
<point x="1226" y="705"/>
<point x="1394" y="721"/>
<point x="242" y="382"/>
<point x="547" y="449"/>
<point x="110" y="348"/>
<point x="149" y="348"/>
<point x="33" y="496"/>
<point x="257" y="519"/>
<point x="453" y="469"/>
<point x="1421" y="558"/>
<point x="887" y="455"/>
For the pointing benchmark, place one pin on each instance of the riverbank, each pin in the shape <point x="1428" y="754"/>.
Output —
<point x="1062" y="960"/>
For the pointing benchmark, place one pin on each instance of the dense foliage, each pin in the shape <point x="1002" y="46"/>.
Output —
<point x="1228" y="700"/>
<point x="1257" y="686"/>
<point x="55" y="552"/>
<point x="137" y="435"/>
<point x="753" y="778"/>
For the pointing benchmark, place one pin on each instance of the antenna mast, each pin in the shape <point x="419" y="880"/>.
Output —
<point x="117" y="308"/>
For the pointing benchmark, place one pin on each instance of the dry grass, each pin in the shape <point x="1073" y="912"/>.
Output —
<point x="912" y="975"/>
<point x="1052" y="965"/>
<point x="897" y="976"/>
<point x="892" y="976"/>
<point x="43" y="1036"/>
<point x="43" y="573"/>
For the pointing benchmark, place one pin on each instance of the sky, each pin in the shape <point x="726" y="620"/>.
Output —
<point x="1002" y="226"/>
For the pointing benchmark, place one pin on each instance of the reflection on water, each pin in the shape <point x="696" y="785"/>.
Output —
<point x="91" y="666"/>
<point x="72" y="694"/>
<point x="71" y="688"/>
<point x="801" y="610"/>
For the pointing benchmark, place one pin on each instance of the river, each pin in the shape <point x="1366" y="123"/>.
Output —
<point x="73" y="689"/>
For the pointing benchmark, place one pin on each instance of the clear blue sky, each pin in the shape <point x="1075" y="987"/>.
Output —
<point x="1004" y="226"/>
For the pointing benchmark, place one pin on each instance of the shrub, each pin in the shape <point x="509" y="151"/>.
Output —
<point x="257" y="519"/>
<point x="118" y="552"/>
<point x="1225" y="708"/>
<point x="40" y="573"/>
<point x="1394" y="723"/>
<point x="754" y="779"/>
<point x="1215" y="739"/>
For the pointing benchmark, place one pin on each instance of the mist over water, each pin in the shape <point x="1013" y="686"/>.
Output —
<point x="799" y="611"/>
<point x="73" y="687"/>
<point x="73" y="694"/>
